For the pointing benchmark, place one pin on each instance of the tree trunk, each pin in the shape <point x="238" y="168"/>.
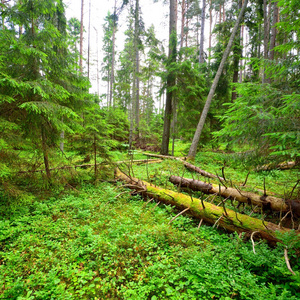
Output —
<point x="89" y="41"/>
<point x="267" y="202"/>
<point x="237" y="53"/>
<point x="210" y="32"/>
<point x="266" y="37"/>
<point x="61" y="144"/>
<point x="200" y="171"/>
<point x="136" y="83"/>
<point x="201" y="49"/>
<point x="45" y="154"/>
<point x="210" y="213"/>
<point x="95" y="156"/>
<point x="274" y="30"/>
<point x="193" y="148"/>
<point x="162" y="156"/>
<point x="112" y="73"/>
<point x="183" y="11"/>
<point x="171" y="78"/>
<point x="174" y="124"/>
<point x="81" y="37"/>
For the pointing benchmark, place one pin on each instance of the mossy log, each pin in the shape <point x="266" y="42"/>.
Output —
<point x="267" y="202"/>
<point x="210" y="213"/>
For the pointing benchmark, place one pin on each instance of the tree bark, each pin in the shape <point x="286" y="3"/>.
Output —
<point x="112" y="73"/>
<point x="200" y="171"/>
<point x="89" y="41"/>
<point x="210" y="213"/>
<point x="273" y="30"/>
<point x="267" y="202"/>
<point x="201" y="49"/>
<point x="237" y="53"/>
<point x="210" y="31"/>
<point x="171" y="78"/>
<point x="45" y="154"/>
<point x="193" y="148"/>
<point x="81" y="37"/>
<point x="266" y="37"/>
<point x="183" y="10"/>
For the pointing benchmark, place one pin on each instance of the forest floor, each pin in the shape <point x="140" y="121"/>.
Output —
<point x="99" y="241"/>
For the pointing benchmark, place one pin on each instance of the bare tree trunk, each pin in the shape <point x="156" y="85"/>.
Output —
<point x="98" y="79"/>
<point x="45" y="153"/>
<point x="89" y="40"/>
<point x="266" y="36"/>
<point x="183" y="11"/>
<point x="132" y="112"/>
<point x="171" y="77"/>
<point x="193" y="148"/>
<point x="174" y="122"/>
<point x="61" y="144"/>
<point x="241" y="61"/>
<point x="201" y="50"/>
<point x="81" y="37"/>
<point x="112" y="73"/>
<point x="136" y="71"/>
<point x="274" y="30"/>
<point x="95" y="156"/>
<point x="210" y="31"/>
<point x="237" y="53"/>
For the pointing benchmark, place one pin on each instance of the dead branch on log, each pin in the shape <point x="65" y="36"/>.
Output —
<point x="200" y="223"/>
<point x="151" y="199"/>
<point x="182" y="212"/>
<point x="211" y="213"/>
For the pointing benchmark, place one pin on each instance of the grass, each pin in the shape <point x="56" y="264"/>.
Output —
<point x="103" y="243"/>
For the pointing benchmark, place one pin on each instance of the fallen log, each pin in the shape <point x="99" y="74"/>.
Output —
<point x="163" y="156"/>
<point x="137" y="161"/>
<point x="267" y="202"/>
<point x="202" y="172"/>
<point x="140" y="161"/>
<point x="210" y="213"/>
<point x="282" y="166"/>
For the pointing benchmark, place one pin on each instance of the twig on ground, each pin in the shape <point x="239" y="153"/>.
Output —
<point x="253" y="244"/>
<point x="287" y="260"/>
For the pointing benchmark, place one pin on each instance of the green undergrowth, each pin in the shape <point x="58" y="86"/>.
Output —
<point x="103" y="243"/>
